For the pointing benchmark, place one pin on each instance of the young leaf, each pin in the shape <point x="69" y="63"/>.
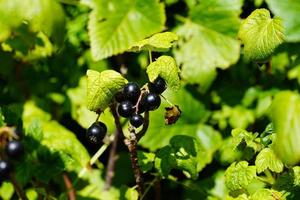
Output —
<point x="288" y="11"/>
<point x="116" y="25"/>
<point x="102" y="87"/>
<point x="285" y="115"/>
<point x="240" y="135"/>
<point x="2" y="122"/>
<point x="166" y="68"/>
<point x="208" y="40"/>
<point x="266" y="159"/>
<point x="6" y="191"/>
<point x="268" y="194"/>
<point x="238" y="176"/>
<point x="261" y="35"/>
<point x="158" y="42"/>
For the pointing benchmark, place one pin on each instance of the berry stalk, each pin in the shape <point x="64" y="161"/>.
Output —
<point x="112" y="154"/>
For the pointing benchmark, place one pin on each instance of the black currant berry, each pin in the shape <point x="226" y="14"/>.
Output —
<point x="136" y="120"/>
<point x="119" y="97"/>
<point x="131" y="92"/>
<point x="14" y="149"/>
<point x="5" y="168"/>
<point x="158" y="86"/>
<point x="96" y="132"/>
<point x="151" y="101"/>
<point x="125" y="109"/>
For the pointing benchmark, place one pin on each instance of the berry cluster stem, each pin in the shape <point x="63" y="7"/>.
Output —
<point x="69" y="186"/>
<point x="17" y="187"/>
<point x="132" y="147"/>
<point x="112" y="154"/>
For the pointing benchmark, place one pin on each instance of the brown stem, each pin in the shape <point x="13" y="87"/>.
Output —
<point x="17" y="187"/>
<point x="132" y="147"/>
<point x="112" y="154"/>
<point x="70" y="190"/>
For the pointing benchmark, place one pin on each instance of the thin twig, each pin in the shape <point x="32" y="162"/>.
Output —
<point x="132" y="147"/>
<point x="17" y="187"/>
<point x="149" y="187"/>
<point x="70" y="189"/>
<point x="112" y="154"/>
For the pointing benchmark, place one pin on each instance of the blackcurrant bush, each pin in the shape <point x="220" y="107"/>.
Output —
<point x="136" y="120"/>
<point x="151" y="101"/>
<point x="131" y="92"/>
<point x="158" y="86"/>
<point x="96" y="132"/>
<point x="5" y="169"/>
<point x="125" y="109"/>
<point x="14" y="149"/>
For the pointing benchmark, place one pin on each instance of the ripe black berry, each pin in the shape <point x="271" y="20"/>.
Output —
<point x="131" y="92"/>
<point x="125" y="109"/>
<point x="151" y="101"/>
<point x="14" y="149"/>
<point x="158" y="86"/>
<point x="136" y="120"/>
<point x="5" y="168"/>
<point x="96" y="132"/>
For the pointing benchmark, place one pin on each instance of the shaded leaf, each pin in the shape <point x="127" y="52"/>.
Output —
<point x="102" y="87"/>
<point x="145" y="160"/>
<point x="260" y="34"/>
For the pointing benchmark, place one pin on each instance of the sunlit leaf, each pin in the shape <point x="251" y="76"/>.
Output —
<point x="260" y="34"/>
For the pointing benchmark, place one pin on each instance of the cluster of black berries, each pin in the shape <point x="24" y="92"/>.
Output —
<point x="13" y="149"/>
<point x="132" y="103"/>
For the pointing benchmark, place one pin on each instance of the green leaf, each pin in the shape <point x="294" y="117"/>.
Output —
<point x="208" y="41"/>
<point x="251" y="140"/>
<point x="238" y="176"/>
<point x="268" y="194"/>
<point x="189" y="154"/>
<point x="186" y="125"/>
<point x="285" y="115"/>
<point x="165" y="161"/>
<point x="288" y="11"/>
<point x="16" y="12"/>
<point x="145" y="160"/>
<point x="266" y="159"/>
<point x="211" y="188"/>
<point x="185" y="153"/>
<point x="79" y="111"/>
<point x="6" y="191"/>
<point x="115" y="25"/>
<point x="166" y="68"/>
<point x="54" y="138"/>
<point x="240" y="197"/>
<point x="158" y="42"/>
<point x="260" y="34"/>
<point x="101" y="88"/>
<point x="2" y="122"/>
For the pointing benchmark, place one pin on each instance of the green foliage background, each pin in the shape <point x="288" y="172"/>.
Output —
<point x="239" y="65"/>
